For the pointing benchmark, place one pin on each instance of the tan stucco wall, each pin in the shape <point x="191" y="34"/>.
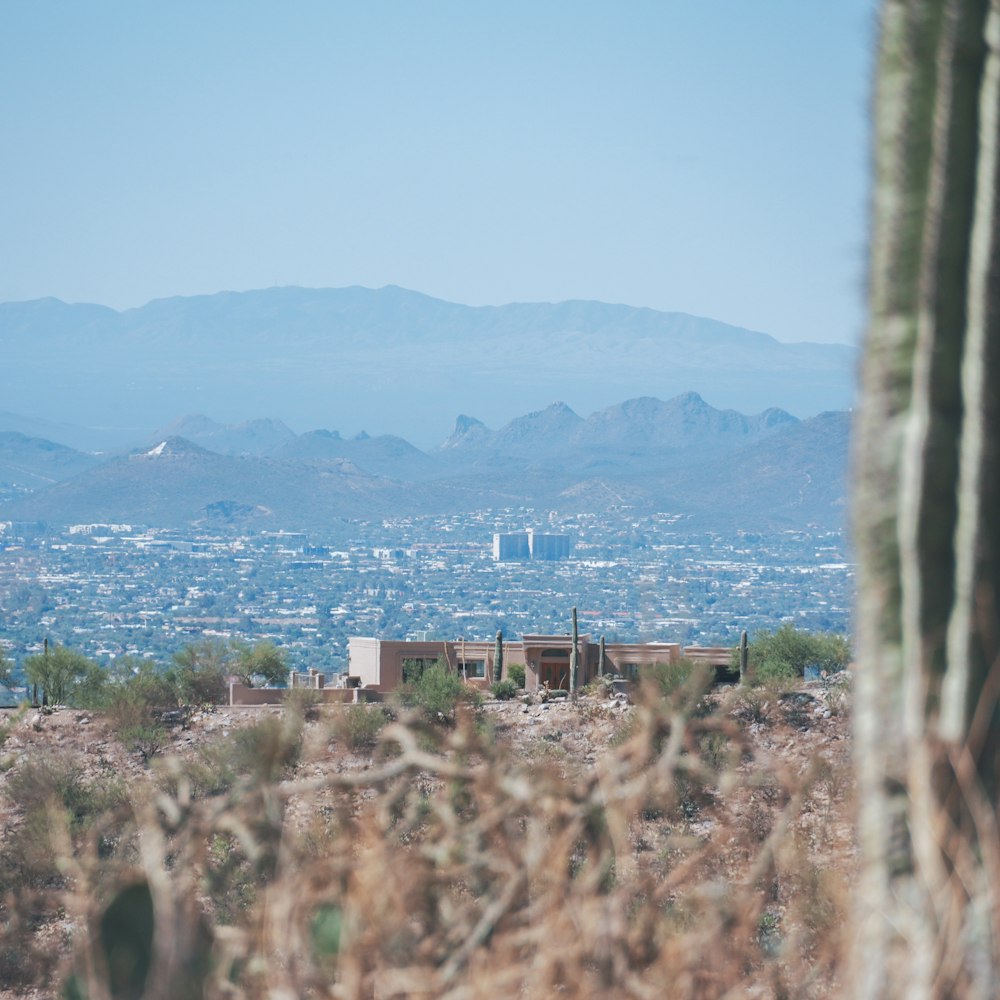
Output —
<point x="240" y="694"/>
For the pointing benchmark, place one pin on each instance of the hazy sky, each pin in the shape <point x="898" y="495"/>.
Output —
<point x="707" y="156"/>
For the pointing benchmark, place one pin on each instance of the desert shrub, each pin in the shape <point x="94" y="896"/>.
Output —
<point x="623" y="730"/>
<point x="437" y="693"/>
<point x="551" y="694"/>
<point x="133" y="703"/>
<point x="716" y="750"/>
<point x="261" y="662"/>
<point x="413" y="668"/>
<point x="551" y="751"/>
<point x="146" y="739"/>
<point x="755" y="704"/>
<point x="6" y="727"/>
<point x="6" y="671"/>
<point x="838" y="694"/>
<point x="670" y="676"/>
<point x="199" y="673"/>
<point x="304" y="702"/>
<point x="135" y="725"/>
<point x="58" y="805"/>
<point x="682" y="683"/>
<point x="758" y="821"/>
<point x="772" y="672"/>
<point x="268" y="750"/>
<point x="67" y="677"/>
<point x="205" y="686"/>
<point x="358" y="726"/>
<point x="515" y="672"/>
<point x="504" y="690"/>
<point x="144" y="680"/>
<point x="791" y="650"/>
<point x="232" y="877"/>
<point x="53" y="777"/>
<point x="259" y="754"/>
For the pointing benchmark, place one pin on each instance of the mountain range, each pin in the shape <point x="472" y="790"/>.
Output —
<point x="714" y="467"/>
<point x="382" y="359"/>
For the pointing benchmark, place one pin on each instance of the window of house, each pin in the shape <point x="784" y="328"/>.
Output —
<point x="472" y="668"/>
<point x="414" y="667"/>
<point x="630" y="670"/>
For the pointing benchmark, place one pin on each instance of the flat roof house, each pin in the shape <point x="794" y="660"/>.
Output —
<point x="379" y="663"/>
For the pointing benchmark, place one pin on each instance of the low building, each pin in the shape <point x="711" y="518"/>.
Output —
<point x="381" y="664"/>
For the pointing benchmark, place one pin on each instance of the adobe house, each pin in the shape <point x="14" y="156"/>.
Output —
<point x="379" y="663"/>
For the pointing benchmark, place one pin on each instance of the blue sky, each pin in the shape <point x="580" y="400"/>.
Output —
<point x="706" y="156"/>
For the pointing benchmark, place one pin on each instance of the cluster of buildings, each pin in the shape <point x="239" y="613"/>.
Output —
<point x="519" y="546"/>
<point x="109" y="590"/>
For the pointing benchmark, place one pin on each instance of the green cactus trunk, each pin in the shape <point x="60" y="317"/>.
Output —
<point x="498" y="657"/>
<point x="927" y="458"/>
<point x="573" y="659"/>
<point x="601" y="661"/>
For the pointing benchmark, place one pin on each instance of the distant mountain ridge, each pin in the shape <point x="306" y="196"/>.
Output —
<point x="34" y="463"/>
<point x="251" y="437"/>
<point x="712" y="466"/>
<point x="390" y="358"/>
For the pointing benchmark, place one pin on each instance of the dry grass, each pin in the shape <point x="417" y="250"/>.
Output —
<point x="447" y="865"/>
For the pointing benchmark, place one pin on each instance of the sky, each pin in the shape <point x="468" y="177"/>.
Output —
<point x="702" y="156"/>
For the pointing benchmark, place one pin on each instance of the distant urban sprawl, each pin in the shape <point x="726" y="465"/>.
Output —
<point x="111" y="590"/>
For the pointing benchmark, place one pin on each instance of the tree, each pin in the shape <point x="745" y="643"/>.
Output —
<point x="199" y="672"/>
<point x="66" y="676"/>
<point x="6" y="671"/>
<point x="927" y="455"/>
<point x="261" y="662"/>
<point x="787" y="651"/>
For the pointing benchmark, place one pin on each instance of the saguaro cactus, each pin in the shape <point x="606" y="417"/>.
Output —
<point x="573" y="658"/>
<point x="927" y="494"/>
<point x="744" y="655"/>
<point x="601" y="658"/>
<point x="498" y="657"/>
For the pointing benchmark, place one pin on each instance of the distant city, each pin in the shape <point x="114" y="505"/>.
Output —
<point x="114" y="589"/>
<point x="669" y="519"/>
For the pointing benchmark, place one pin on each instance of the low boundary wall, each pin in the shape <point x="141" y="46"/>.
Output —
<point x="240" y="694"/>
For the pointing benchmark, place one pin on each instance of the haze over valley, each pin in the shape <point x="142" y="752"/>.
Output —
<point x="686" y="520"/>
<point x="383" y="360"/>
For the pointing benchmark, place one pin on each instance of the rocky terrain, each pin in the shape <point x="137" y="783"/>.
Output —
<point x="781" y="757"/>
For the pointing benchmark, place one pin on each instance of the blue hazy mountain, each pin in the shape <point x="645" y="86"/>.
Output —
<point x="32" y="463"/>
<point x="714" y="467"/>
<point x="616" y="433"/>
<point x="389" y="359"/>
<point x="80" y="438"/>
<point x="263" y="436"/>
